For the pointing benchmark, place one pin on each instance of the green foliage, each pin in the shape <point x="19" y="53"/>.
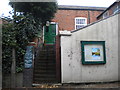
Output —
<point x="27" y="28"/>
<point x="19" y="68"/>
<point x="17" y="35"/>
<point x="27" y="25"/>
<point x="8" y="42"/>
<point x="42" y="11"/>
<point x="8" y="35"/>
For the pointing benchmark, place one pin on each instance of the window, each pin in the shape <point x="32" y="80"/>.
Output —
<point x="116" y="9"/>
<point x="106" y="14"/>
<point x="80" y="22"/>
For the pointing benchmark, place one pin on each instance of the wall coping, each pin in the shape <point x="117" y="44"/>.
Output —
<point x="94" y="23"/>
<point x="65" y="33"/>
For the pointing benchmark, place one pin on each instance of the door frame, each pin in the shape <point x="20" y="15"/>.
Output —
<point x="56" y="29"/>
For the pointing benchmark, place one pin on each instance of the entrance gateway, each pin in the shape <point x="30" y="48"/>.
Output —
<point x="50" y="33"/>
<point x="45" y="68"/>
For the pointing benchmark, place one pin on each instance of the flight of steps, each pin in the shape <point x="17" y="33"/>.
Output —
<point x="45" y="66"/>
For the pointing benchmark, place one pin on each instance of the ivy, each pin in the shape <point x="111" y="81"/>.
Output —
<point x="27" y="25"/>
<point x="7" y="43"/>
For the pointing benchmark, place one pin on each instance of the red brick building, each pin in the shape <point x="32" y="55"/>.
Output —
<point x="75" y="17"/>
<point x="111" y="10"/>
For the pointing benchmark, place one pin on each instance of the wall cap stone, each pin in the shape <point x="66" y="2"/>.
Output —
<point x="65" y="33"/>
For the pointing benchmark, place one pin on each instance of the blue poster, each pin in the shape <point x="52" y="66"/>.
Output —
<point x="28" y="59"/>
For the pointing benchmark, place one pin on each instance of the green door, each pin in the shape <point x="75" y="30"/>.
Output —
<point x="50" y="34"/>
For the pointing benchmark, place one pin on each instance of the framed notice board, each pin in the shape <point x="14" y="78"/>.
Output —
<point x="93" y="52"/>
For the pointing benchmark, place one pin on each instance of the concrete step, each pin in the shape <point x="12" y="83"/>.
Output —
<point x="45" y="71"/>
<point x="41" y="80"/>
<point x="45" y="65"/>
<point x="44" y="68"/>
<point x="45" y="75"/>
<point x="50" y="69"/>
<point x="46" y="61"/>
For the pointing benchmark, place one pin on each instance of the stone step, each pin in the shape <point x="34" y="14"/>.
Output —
<point x="39" y="71"/>
<point x="45" y="65"/>
<point x="44" y="75"/>
<point x="46" y="55"/>
<point x="46" y="59"/>
<point x="44" y="79"/>
<point x="44" y="68"/>
<point x="47" y="49"/>
<point x="45" y="71"/>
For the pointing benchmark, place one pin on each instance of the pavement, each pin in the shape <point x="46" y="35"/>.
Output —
<point x="83" y="85"/>
<point x="59" y="86"/>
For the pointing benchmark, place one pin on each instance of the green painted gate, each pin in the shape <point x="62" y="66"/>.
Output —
<point x="50" y="34"/>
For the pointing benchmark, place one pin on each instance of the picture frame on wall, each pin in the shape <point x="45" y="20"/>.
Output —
<point x="93" y="52"/>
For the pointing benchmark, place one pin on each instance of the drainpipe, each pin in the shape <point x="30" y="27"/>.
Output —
<point x="88" y="17"/>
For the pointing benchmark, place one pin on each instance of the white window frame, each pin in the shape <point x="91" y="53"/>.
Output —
<point x="116" y="9"/>
<point x="106" y="14"/>
<point x="56" y="26"/>
<point x="80" y="24"/>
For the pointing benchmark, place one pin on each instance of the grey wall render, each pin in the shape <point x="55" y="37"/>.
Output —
<point x="71" y="65"/>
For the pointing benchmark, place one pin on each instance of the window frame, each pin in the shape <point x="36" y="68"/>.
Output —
<point x="80" y="24"/>
<point x="83" y="43"/>
<point x="116" y="9"/>
<point x="106" y="14"/>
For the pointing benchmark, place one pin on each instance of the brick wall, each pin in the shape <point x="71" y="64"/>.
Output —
<point x="66" y="18"/>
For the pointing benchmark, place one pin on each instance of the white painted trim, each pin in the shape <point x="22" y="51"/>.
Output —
<point x="52" y="22"/>
<point x="65" y="33"/>
<point x="56" y="26"/>
<point x="117" y="10"/>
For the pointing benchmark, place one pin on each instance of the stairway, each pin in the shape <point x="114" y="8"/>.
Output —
<point x="45" y="65"/>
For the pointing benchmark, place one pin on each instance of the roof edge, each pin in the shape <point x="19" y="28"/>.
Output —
<point x="94" y="23"/>
<point x="108" y="8"/>
<point x="73" y="7"/>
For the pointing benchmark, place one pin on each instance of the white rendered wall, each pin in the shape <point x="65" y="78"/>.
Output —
<point x="72" y="70"/>
<point x="0" y="56"/>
